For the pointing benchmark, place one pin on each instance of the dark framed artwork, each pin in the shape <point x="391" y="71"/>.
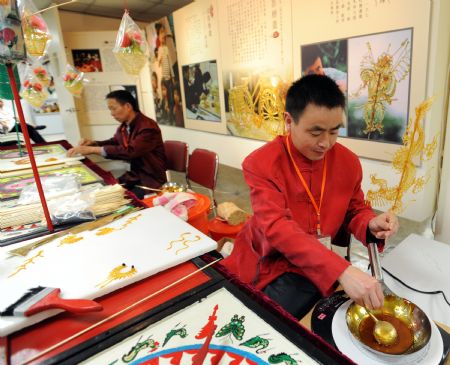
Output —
<point x="87" y="60"/>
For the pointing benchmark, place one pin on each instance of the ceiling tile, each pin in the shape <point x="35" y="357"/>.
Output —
<point x="142" y="10"/>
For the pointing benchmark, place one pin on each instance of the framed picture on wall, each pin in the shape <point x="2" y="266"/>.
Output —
<point x="165" y="77"/>
<point x="379" y="85"/>
<point x="201" y="91"/>
<point x="87" y="60"/>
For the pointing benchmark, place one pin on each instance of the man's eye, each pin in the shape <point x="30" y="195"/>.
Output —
<point x="316" y="133"/>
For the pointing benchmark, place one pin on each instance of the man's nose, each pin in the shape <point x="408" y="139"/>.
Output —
<point x="325" y="140"/>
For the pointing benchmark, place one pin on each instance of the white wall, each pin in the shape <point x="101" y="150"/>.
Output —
<point x="232" y="150"/>
<point x="58" y="62"/>
<point x="442" y="229"/>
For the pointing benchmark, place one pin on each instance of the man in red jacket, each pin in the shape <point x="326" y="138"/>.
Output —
<point x="138" y="141"/>
<point x="304" y="187"/>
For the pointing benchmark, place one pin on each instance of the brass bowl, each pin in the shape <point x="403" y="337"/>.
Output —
<point x="402" y="309"/>
<point x="173" y="187"/>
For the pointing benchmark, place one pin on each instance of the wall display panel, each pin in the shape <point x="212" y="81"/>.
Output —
<point x="197" y="30"/>
<point x="256" y="49"/>
<point x="379" y="85"/>
<point x="165" y="77"/>
<point x="201" y="91"/>
<point x="386" y="64"/>
<point x="373" y="71"/>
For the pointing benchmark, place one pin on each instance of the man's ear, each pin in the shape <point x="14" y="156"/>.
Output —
<point x="288" y="120"/>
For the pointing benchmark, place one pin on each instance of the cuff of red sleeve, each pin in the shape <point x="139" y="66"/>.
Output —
<point x="327" y="285"/>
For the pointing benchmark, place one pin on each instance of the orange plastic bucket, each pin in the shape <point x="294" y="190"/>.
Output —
<point x="197" y="214"/>
<point x="219" y="229"/>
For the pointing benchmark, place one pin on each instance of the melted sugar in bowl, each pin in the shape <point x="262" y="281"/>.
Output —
<point x="412" y="325"/>
<point x="173" y="187"/>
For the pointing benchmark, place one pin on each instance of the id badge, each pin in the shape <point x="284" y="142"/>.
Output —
<point x="325" y="240"/>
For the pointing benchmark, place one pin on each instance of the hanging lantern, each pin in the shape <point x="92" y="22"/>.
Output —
<point x="130" y="48"/>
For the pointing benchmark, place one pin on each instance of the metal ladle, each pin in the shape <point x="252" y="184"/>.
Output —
<point x="384" y="332"/>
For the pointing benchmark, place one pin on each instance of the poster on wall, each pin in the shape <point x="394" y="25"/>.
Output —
<point x="201" y="91"/>
<point x="384" y="57"/>
<point x="379" y="85"/>
<point x="200" y="57"/>
<point x="165" y="78"/>
<point x="256" y="44"/>
<point x="330" y="59"/>
<point x="373" y="71"/>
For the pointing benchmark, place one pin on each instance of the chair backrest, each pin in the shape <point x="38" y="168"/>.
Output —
<point x="176" y="155"/>
<point x="202" y="169"/>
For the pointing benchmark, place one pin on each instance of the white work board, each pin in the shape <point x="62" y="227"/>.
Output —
<point x="150" y="240"/>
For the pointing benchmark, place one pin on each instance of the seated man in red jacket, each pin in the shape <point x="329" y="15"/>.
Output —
<point x="138" y="141"/>
<point x="304" y="187"/>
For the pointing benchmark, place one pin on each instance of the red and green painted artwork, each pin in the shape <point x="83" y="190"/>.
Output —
<point x="11" y="186"/>
<point x="218" y="329"/>
<point x="51" y="149"/>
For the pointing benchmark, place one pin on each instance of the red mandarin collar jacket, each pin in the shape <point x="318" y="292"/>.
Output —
<point x="280" y="236"/>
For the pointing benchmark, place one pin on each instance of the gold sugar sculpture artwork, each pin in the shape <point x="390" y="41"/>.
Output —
<point x="118" y="273"/>
<point x="70" y="240"/>
<point x="259" y="107"/>
<point x="184" y="241"/>
<point x="107" y="230"/>
<point x="26" y="263"/>
<point x="381" y="77"/>
<point x="414" y="147"/>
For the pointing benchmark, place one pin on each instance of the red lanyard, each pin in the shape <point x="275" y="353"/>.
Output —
<point x="300" y="176"/>
<point x="125" y="136"/>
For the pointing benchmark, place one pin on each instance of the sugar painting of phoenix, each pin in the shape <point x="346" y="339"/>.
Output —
<point x="379" y="85"/>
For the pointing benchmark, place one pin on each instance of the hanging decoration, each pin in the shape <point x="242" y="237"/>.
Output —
<point x="74" y="81"/>
<point x="33" y="91"/>
<point x="41" y="73"/>
<point x="130" y="48"/>
<point x="12" y="46"/>
<point x="35" y="30"/>
<point x="414" y="147"/>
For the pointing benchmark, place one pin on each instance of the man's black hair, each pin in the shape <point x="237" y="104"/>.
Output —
<point x="313" y="89"/>
<point x="123" y="97"/>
